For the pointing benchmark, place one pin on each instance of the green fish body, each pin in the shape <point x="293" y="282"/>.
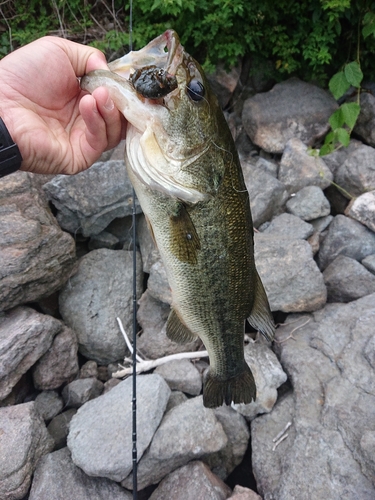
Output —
<point x="184" y="167"/>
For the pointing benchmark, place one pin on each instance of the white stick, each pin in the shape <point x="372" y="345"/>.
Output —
<point x="127" y="341"/>
<point x="282" y="432"/>
<point x="144" y="366"/>
<point x="279" y="441"/>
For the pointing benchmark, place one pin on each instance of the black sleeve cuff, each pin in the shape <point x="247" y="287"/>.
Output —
<point x="10" y="156"/>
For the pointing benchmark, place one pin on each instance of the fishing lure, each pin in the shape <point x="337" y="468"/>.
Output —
<point x="153" y="82"/>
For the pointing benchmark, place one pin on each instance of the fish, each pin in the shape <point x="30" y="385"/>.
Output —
<point x="183" y="164"/>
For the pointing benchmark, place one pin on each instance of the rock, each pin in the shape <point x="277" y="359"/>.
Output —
<point x="362" y="209"/>
<point x="298" y="169"/>
<point x="369" y="263"/>
<point x="103" y="374"/>
<point x="365" y="125"/>
<point x="58" y="428"/>
<point x="89" y="370"/>
<point x="289" y="273"/>
<point x="157" y="283"/>
<point x="309" y="203"/>
<point x="267" y="194"/>
<point x="357" y="174"/>
<point x="291" y="109"/>
<point x="57" y="478"/>
<point x="95" y="296"/>
<point x="122" y="230"/>
<point x="346" y="237"/>
<point x="37" y="257"/>
<point x="23" y="440"/>
<point x="187" y="432"/>
<point x="347" y="280"/>
<point x="175" y="399"/>
<point x="289" y="226"/>
<point x="100" y="436"/>
<point x="87" y="202"/>
<point x="321" y="223"/>
<point x="80" y="391"/>
<point x="268" y="375"/>
<point x="104" y="240"/>
<point x="59" y="364"/>
<point x="153" y="342"/>
<point x="181" y="375"/>
<point x="25" y="336"/>
<point x="331" y="408"/>
<point x="242" y="493"/>
<point x="223" y="83"/>
<point x="48" y="404"/>
<point x="110" y="384"/>
<point x="149" y="252"/>
<point x="191" y="482"/>
<point x="337" y="158"/>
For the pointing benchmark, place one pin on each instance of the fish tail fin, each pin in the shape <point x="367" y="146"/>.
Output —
<point x="239" y="389"/>
<point x="261" y="317"/>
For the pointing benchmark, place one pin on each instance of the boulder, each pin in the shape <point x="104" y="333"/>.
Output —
<point x="362" y="209"/>
<point x="357" y="174"/>
<point x="291" y="109"/>
<point x="365" y="125"/>
<point x="288" y="226"/>
<point x="309" y="203"/>
<point x="369" y="263"/>
<point x="181" y="375"/>
<point x="78" y="392"/>
<point x="48" y="404"/>
<point x="58" y="428"/>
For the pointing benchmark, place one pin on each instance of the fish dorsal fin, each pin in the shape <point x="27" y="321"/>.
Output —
<point x="177" y="331"/>
<point x="185" y="242"/>
<point x="260" y="316"/>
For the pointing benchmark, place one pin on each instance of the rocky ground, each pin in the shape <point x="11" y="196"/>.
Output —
<point x="66" y="275"/>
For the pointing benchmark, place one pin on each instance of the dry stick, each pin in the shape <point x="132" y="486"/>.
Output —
<point x="127" y="341"/>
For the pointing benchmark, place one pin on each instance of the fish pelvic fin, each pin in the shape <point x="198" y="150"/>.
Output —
<point x="238" y="389"/>
<point x="261" y="317"/>
<point x="177" y="331"/>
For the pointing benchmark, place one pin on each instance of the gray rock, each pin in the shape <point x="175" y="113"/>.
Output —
<point x="95" y="296"/>
<point x="175" y="399"/>
<point x="100" y="436"/>
<point x="187" y="432"/>
<point x="357" y="174"/>
<point x="346" y="237"/>
<point x="37" y="257"/>
<point x="59" y="364"/>
<point x="369" y="263"/>
<point x="57" y="478"/>
<point x="25" y="336"/>
<point x="104" y="240"/>
<point x="58" y="428"/>
<point x="23" y="440"/>
<point x="153" y="342"/>
<point x="331" y="365"/>
<point x="48" y="404"/>
<point x="267" y="194"/>
<point x="291" y="109"/>
<point x="298" y="169"/>
<point x="223" y="83"/>
<point x="122" y="230"/>
<point x="337" y="158"/>
<point x="87" y="202"/>
<point x="365" y="125"/>
<point x="242" y="493"/>
<point x="347" y="280"/>
<point x="191" y="482"/>
<point x="268" y="376"/>
<point x="89" y="369"/>
<point x="290" y="227"/>
<point x="80" y="391"/>
<point x="289" y="273"/>
<point x="362" y="209"/>
<point x="181" y="375"/>
<point x="322" y="223"/>
<point x="157" y="283"/>
<point x="309" y="203"/>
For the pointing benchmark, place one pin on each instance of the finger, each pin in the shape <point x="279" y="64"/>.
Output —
<point x="95" y="127"/>
<point x="114" y="120"/>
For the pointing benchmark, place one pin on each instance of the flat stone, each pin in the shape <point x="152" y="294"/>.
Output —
<point x="23" y="441"/>
<point x="88" y="201"/>
<point x="25" y="336"/>
<point x="181" y="375"/>
<point x="309" y="203"/>
<point x="298" y="169"/>
<point x="357" y="174"/>
<point x="95" y="296"/>
<point x="291" y="109"/>
<point x="347" y="280"/>
<point x="48" y="404"/>
<point x="362" y="209"/>
<point x="289" y="226"/>
<point x="57" y="478"/>
<point x="100" y="436"/>
<point x="78" y="392"/>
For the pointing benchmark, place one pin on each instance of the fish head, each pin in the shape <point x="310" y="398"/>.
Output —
<point x="165" y="97"/>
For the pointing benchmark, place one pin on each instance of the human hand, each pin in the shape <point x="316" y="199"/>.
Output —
<point x="57" y="126"/>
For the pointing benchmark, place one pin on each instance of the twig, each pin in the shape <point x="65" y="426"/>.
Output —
<point x="279" y="441"/>
<point x="290" y="336"/>
<point x="127" y="341"/>
<point x="282" y="432"/>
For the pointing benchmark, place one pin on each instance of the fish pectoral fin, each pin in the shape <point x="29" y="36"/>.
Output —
<point x="177" y="331"/>
<point x="261" y="317"/>
<point x="185" y="242"/>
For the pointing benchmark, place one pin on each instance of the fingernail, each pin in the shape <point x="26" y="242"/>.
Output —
<point x="109" y="105"/>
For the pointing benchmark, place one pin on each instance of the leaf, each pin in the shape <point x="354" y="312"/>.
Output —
<point x="350" y="112"/>
<point x="342" y="136"/>
<point x="338" y="85"/>
<point x="326" y="149"/>
<point x="369" y="24"/>
<point x="353" y="73"/>
<point x="337" y="120"/>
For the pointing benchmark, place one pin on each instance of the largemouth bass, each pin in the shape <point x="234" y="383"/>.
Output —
<point x="184" y="167"/>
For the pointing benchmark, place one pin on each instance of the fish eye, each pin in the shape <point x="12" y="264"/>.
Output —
<point x="195" y="90"/>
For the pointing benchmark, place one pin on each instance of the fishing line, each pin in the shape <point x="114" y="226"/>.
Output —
<point x="134" y="354"/>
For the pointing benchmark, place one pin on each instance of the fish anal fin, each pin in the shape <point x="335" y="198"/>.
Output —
<point x="238" y="389"/>
<point x="185" y="242"/>
<point x="177" y="331"/>
<point x="261" y="317"/>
